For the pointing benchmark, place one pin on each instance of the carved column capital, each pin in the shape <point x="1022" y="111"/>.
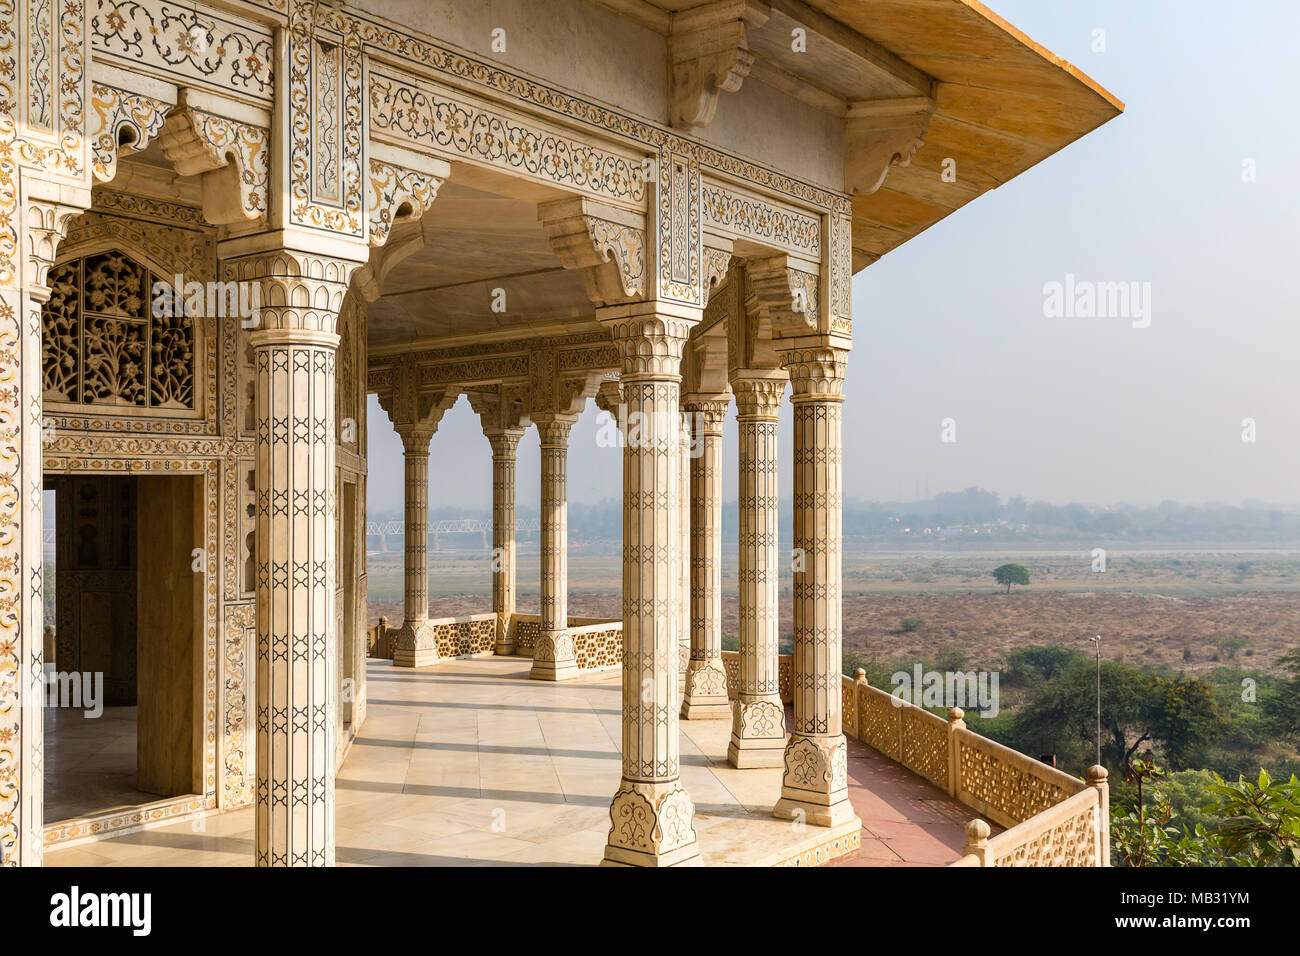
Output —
<point x="504" y="442"/>
<point x="650" y="342"/>
<point x="553" y="429"/>
<point x="710" y="413"/>
<point x="412" y="408"/>
<point x="816" y="374"/>
<point x="758" y="394"/>
<point x="300" y="290"/>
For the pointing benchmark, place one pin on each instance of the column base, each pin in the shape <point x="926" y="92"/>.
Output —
<point x="553" y="657"/>
<point x="815" y="784"/>
<point x="414" y="645"/>
<point x="505" y="645"/>
<point x="815" y="814"/>
<point x="757" y="733"/>
<point x="652" y="824"/>
<point x="705" y="694"/>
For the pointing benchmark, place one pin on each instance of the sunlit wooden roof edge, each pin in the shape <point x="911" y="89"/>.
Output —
<point x="1004" y="103"/>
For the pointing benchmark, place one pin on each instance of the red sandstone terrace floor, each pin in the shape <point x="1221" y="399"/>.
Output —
<point x="906" y="820"/>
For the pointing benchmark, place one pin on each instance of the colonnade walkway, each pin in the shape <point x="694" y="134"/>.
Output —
<point x="468" y="762"/>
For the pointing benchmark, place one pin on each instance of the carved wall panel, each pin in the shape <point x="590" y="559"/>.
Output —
<point x="234" y="55"/>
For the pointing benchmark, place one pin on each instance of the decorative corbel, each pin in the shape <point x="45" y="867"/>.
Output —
<point x="401" y="185"/>
<point x="229" y="145"/>
<point x="783" y="294"/>
<point x="881" y="134"/>
<point x="121" y="123"/>
<point x="607" y="244"/>
<point x="705" y="363"/>
<point x="718" y="253"/>
<point x="414" y="411"/>
<point x="708" y="52"/>
<point x="609" y="394"/>
<point x="553" y="394"/>
<point x="500" y="409"/>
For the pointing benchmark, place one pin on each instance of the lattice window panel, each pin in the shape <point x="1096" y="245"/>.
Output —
<point x="925" y="745"/>
<point x="599" y="649"/>
<point x="103" y="344"/>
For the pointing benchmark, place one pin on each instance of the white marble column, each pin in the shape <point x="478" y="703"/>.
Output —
<point x="758" y="720"/>
<point x="505" y="447"/>
<point x="553" y="657"/>
<point x="651" y="816"/>
<point x="705" y="695"/>
<point x="39" y="223"/>
<point x="683" y="559"/>
<point x="413" y="644"/>
<point x="294" y="354"/>
<point x="814" y="787"/>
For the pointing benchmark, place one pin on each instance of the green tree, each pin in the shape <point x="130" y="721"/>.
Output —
<point x="1138" y="709"/>
<point x="1251" y="824"/>
<point x="1038" y="663"/>
<point x="1010" y="574"/>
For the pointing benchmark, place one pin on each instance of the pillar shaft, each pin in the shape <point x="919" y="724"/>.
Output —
<point x="683" y="560"/>
<point x="505" y="447"/>
<point x="296" y="560"/>
<point x="38" y="224"/>
<point x="414" y="645"/>
<point x="553" y="657"/>
<point x="415" y="456"/>
<point x="651" y="816"/>
<point x="705" y="694"/>
<point x="814" y="786"/>
<point x="758" y="721"/>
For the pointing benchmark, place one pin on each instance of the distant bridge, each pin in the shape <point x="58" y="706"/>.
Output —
<point x="482" y="527"/>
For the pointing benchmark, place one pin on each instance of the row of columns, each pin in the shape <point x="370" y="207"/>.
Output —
<point x="672" y="570"/>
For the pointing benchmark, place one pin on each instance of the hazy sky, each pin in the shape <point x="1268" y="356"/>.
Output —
<point x="951" y="325"/>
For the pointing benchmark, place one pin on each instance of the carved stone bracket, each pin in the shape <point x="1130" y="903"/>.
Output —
<point x="606" y="243"/>
<point x="553" y="392"/>
<point x="880" y="134"/>
<point x="783" y="295"/>
<point x="121" y="121"/>
<point x="300" y="290"/>
<point x="232" y="154"/>
<point x="399" y="185"/>
<point x="708" y="53"/>
<point x="501" y="409"/>
<point x="717" y="261"/>
<point x="46" y="225"/>
<point x="414" y="411"/>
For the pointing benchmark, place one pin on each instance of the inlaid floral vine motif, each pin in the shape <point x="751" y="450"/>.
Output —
<point x="104" y="346"/>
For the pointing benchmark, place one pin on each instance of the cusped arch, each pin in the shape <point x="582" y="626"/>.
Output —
<point x="117" y="336"/>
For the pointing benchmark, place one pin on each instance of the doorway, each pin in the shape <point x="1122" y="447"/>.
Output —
<point x="123" y="684"/>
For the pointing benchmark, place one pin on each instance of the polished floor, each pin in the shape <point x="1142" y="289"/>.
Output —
<point x="470" y="763"/>
<point x="90" y="763"/>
